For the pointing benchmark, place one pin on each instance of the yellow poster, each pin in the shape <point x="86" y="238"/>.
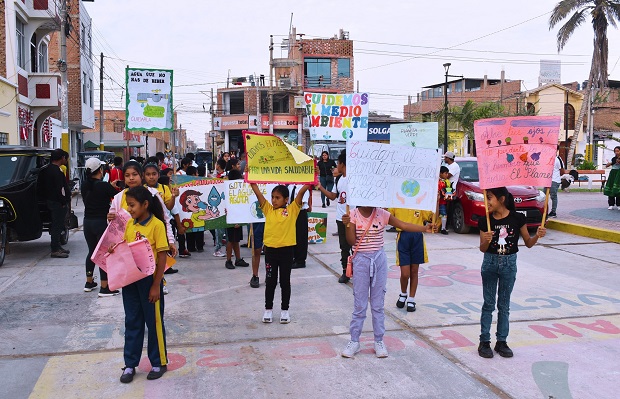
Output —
<point x="271" y="160"/>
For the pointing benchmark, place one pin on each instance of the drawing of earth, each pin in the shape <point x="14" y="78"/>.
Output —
<point x="256" y="211"/>
<point x="410" y="188"/>
<point x="347" y="134"/>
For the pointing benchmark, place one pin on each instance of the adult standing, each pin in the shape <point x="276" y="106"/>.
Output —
<point x="116" y="173"/>
<point x="96" y="195"/>
<point x="53" y="187"/>
<point x="326" y="174"/>
<point x="556" y="180"/>
<point x="612" y="186"/>
<point x="454" y="170"/>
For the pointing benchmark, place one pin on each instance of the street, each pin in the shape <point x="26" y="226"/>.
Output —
<point x="58" y="341"/>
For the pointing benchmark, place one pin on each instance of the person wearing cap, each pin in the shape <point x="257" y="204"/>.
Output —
<point x="454" y="170"/>
<point x="96" y="195"/>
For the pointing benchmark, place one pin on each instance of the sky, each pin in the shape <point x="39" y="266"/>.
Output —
<point x="399" y="46"/>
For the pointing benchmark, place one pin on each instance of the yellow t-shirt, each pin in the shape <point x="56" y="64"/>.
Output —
<point x="280" y="225"/>
<point x="198" y="223"/>
<point x="152" y="229"/>
<point x="164" y="191"/>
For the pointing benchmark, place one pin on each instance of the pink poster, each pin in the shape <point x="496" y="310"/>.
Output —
<point x="112" y="235"/>
<point x="122" y="268"/>
<point x="516" y="151"/>
<point x="142" y="253"/>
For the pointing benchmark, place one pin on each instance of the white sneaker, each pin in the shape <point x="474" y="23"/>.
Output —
<point x="611" y="208"/>
<point x="165" y="290"/>
<point x="219" y="254"/>
<point x="380" y="349"/>
<point x="267" y="316"/>
<point x="285" y="318"/>
<point x="351" y="349"/>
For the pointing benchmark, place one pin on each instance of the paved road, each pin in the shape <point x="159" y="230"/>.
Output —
<point x="58" y="341"/>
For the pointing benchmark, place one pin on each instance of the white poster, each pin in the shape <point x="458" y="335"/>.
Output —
<point x="243" y="207"/>
<point x="337" y="116"/>
<point x="149" y="99"/>
<point x="415" y="134"/>
<point x="387" y="175"/>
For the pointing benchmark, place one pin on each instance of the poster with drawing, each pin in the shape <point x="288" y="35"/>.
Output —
<point x="202" y="202"/>
<point x="392" y="176"/>
<point x="337" y="116"/>
<point x="317" y="227"/>
<point x="148" y="99"/>
<point x="415" y="134"/>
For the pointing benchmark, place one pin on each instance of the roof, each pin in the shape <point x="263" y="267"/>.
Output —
<point x="113" y="144"/>
<point x="489" y="82"/>
<point x="559" y="86"/>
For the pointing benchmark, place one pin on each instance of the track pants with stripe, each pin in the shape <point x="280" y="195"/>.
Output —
<point x="140" y="313"/>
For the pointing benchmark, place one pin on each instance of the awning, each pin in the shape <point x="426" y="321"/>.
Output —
<point x="113" y="144"/>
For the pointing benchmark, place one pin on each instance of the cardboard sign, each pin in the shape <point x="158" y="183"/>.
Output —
<point x="415" y="134"/>
<point x="337" y="116"/>
<point x="242" y="205"/>
<point x="112" y="235"/>
<point x="202" y="202"/>
<point x="516" y="151"/>
<point x="271" y="160"/>
<point x="317" y="228"/>
<point x="392" y="176"/>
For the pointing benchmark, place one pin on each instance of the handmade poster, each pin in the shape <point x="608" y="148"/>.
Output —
<point x="202" y="202"/>
<point x="270" y="160"/>
<point x="337" y="116"/>
<point x="122" y="269"/>
<point x="392" y="176"/>
<point x="113" y="235"/>
<point x="149" y="99"/>
<point x="415" y="134"/>
<point x="143" y="255"/>
<point x="317" y="228"/>
<point x="516" y="151"/>
<point x="242" y="204"/>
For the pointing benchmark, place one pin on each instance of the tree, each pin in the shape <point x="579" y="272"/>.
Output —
<point x="603" y="13"/>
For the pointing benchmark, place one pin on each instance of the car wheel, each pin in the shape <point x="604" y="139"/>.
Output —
<point x="3" y="242"/>
<point x="458" y="219"/>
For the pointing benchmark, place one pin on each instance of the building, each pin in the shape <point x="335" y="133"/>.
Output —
<point x="8" y="90"/>
<point x="605" y="134"/>
<point x="317" y="65"/>
<point x="27" y="25"/>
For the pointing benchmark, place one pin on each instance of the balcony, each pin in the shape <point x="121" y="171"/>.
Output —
<point x="44" y="89"/>
<point x="44" y="12"/>
<point x="317" y="81"/>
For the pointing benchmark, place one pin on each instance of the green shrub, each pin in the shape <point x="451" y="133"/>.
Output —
<point x="586" y="165"/>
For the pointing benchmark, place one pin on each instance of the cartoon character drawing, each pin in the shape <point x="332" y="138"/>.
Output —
<point x="190" y="202"/>
<point x="502" y="240"/>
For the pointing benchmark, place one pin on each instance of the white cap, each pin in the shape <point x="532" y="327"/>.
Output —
<point x="92" y="164"/>
<point x="449" y="154"/>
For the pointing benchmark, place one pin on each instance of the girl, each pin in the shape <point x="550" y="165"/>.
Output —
<point x="499" y="267"/>
<point x="144" y="300"/>
<point x="612" y="187"/>
<point x="364" y="229"/>
<point x="279" y="242"/>
<point x="151" y="179"/>
<point x="96" y="195"/>
<point x="326" y="174"/>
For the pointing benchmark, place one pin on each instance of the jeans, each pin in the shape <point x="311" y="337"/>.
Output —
<point x="219" y="235"/>
<point x="345" y="248"/>
<point x="278" y="261"/>
<point x="58" y="214"/>
<point x="93" y="230"/>
<point x="328" y="184"/>
<point x="553" y="195"/>
<point x="498" y="276"/>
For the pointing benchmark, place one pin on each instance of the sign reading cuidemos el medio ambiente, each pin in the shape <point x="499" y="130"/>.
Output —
<point x="337" y="116"/>
<point x="148" y="99"/>
<point x="392" y="176"/>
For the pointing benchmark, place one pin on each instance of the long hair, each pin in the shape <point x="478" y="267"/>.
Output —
<point x="142" y="194"/>
<point x="509" y="200"/>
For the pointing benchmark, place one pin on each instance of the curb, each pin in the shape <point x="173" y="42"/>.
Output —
<point x="585" y="231"/>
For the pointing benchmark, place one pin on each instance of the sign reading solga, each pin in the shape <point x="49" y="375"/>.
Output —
<point x="149" y="99"/>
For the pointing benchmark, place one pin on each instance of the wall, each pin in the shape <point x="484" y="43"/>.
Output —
<point x="550" y="102"/>
<point x="8" y="116"/>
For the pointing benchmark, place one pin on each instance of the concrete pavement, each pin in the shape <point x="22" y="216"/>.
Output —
<point x="61" y="342"/>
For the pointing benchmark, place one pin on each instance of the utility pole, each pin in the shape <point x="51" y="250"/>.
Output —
<point x="62" y="66"/>
<point x="212" y="130"/>
<point x="271" y="84"/>
<point x="101" y="145"/>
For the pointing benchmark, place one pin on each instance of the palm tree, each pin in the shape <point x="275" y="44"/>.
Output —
<point x="603" y="13"/>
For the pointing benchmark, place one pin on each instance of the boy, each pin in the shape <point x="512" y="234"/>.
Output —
<point x="445" y="194"/>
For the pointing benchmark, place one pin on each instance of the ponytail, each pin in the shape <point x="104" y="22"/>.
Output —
<point x="509" y="199"/>
<point x="142" y="194"/>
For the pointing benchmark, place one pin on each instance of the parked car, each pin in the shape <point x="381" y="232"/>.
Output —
<point x="468" y="205"/>
<point x="333" y="149"/>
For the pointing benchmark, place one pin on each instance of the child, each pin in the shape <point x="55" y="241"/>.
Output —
<point x="445" y="193"/>
<point x="234" y="235"/>
<point x="411" y="252"/>
<point x="279" y="243"/>
<point x="143" y="300"/>
<point x="499" y="267"/>
<point x="370" y="270"/>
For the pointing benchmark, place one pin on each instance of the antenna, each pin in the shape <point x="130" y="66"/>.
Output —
<point x="290" y="29"/>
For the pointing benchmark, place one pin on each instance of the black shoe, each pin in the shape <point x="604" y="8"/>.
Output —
<point x="444" y="232"/>
<point x="327" y="202"/>
<point x="59" y="254"/>
<point x="343" y="279"/>
<point x="200" y="250"/>
<point x="552" y="215"/>
<point x="127" y="376"/>
<point x="229" y="264"/>
<point x="241" y="263"/>
<point x="298" y="265"/>
<point x="502" y="348"/>
<point x="156" y="372"/>
<point x="391" y="230"/>
<point x="105" y="291"/>
<point x="254" y="283"/>
<point x="323" y="206"/>
<point x="401" y="304"/>
<point x="484" y="350"/>
<point x="64" y="250"/>
<point x="171" y="271"/>
<point x="410" y="306"/>
<point x="88" y="287"/>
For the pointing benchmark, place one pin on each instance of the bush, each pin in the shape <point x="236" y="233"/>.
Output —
<point x="586" y="165"/>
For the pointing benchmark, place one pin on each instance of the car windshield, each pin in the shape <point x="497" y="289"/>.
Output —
<point x="15" y="167"/>
<point x="469" y="170"/>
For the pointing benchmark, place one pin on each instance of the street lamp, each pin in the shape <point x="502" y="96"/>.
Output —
<point x="446" y="66"/>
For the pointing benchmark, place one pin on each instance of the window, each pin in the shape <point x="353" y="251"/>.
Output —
<point x="119" y="127"/>
<point x="458" y="86"/>
<point x="344" y="67"/>
<point x="83" y="37"/>
<point x="43" y="66"/>
<point x="84" y="89"/>
<point x="21" y="44"/>
<point x="317" y="72"/>
<point x="4" y="138"/>
<point x="90" y="44"/>
<point x="91" y="92"/>
<point x="569" y="117"/>
<point x="236" y="103"/>
<point x="531" y="110"/>
<point x="437" y="91"/>
<point x="33" y="53"/>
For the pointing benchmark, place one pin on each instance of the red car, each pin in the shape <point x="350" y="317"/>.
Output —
<point x="468" y="204"/>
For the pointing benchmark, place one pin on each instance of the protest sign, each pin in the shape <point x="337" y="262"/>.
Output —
<point x="317" y="228"/>
<point x="202" y="202"/>
<point x="517" y="150"/>
<point x="387" y="175"/>
<point x="242" y="204"/>
<point x="337" y="116"/>
<point x="270" y="160"/>
<point x="113" y="235"/>
<point x="415" y="134"/>
<point x="148" y="99"/>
